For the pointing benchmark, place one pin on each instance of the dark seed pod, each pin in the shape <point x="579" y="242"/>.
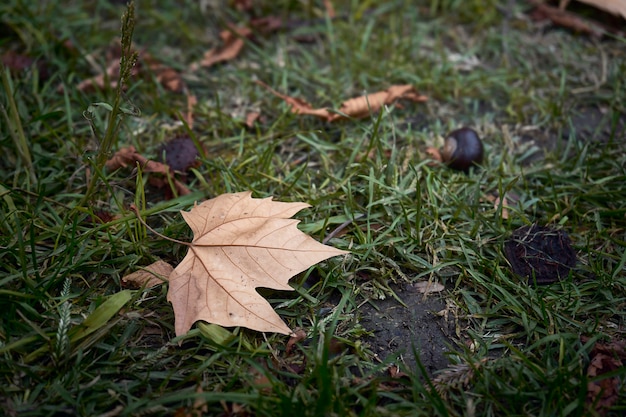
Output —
<point x="462" y="149"/>
<point x="180" y="154"/>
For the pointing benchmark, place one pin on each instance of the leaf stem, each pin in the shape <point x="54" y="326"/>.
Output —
<point x="135" y="210"/>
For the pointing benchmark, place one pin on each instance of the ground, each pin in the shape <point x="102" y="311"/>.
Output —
<point x="548" y="102"/>
<point x="399" y="331"/>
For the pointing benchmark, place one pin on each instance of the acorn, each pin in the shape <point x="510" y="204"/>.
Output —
<point x="462" y="149"/>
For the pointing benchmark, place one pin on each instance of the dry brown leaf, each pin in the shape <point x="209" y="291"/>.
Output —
<point x="168" y="77"/>
<point x="233" y="40"/>
<point x="251" y="118"/>
<point x="243" y="5"/>
<point x="298" y="336"/>
<point x="233" y="43"/>
<point x="240" y="244"/>
<point x="603" y="393"/>
<point x="395" y="372"/>
<point x="330" y="10"/>
<point x="427" y="287"/>
<point x="150" y="276"/>
<point x="130" y="157"/>
<point x="505" y="203"/>
<point x="298" y="106"/>
<point x="616" y="7"/>
<point x="435" y="155"/>
<point x="368" y="104"/>
<point x="358" y="107"/>
<point x="17" y="62"/>
<point x="566" y="19"/>
<point x="191" y="103"/>
<point x="267" y="24"/>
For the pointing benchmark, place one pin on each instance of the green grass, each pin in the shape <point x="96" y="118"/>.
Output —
<point x="75" y="341"/>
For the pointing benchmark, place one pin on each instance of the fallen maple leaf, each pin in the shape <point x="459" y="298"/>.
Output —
<point x="616" y="7"/>
<point x="240" y="244"/>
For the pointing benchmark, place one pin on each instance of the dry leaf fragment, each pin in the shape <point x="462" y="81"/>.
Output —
<point x="616" y="7"/>
<point x="395" y="372"/>
<point x="251" y="118"/>
<point x="505" y="204"/>
<point x="368" y="104"/>
<point x="191" y="103"/>
<point x="243" y="5"/>
<point x="435" y="155"/>
<point x="240" y="244"/>
<point x="330" y="10"/>
<point x="298" y="336"/>
<point x="298" y="106"/>
<point x="358" y="107"/>
<point x="130" y="157"/>
<point x="605" y="358"/>
<point x="233" y="40"/>
<point x="150" y="276"/>
<point x="427" y="287"/>
<point x="233" y="43"/>
<point x="566" y="19"/>
<point x="168" y="77"/>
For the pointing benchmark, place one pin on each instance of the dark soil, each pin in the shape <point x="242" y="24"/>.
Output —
<point x="540" y="254"/>
<point x="399" y="331"/>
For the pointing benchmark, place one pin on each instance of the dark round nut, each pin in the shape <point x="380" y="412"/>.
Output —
<point x="179" y="153"/>
<point x="462" y="149"/>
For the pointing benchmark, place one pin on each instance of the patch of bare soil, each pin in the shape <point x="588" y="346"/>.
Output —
<point x="399" y="331"/>
<point x="588" y="124"/>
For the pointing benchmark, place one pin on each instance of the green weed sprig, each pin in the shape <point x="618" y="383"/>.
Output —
<point x="127" y="63"/>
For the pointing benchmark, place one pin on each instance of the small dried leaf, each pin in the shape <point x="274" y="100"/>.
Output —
<point x="434" y="154"/>
<point x="368" y="104"/>
<point x="298" y="106"/>
<point x="616" y="7"/>
<point x="565" y="19"/>
<point x="168" y="77"/>
<point x="358" y="107"/>
<point x="605" y="358"/>
<point x="330" y="10"/>
<point x="396" y="373"/>
<point x="251" y="118"/>
<point x="233" y="43"/>
<point x="150" y="276"/>
<point x="191" y="103"/>
<point x="130" y="157"/>
<point x="427" y="287"/>
<point x="505" y="203"/>
<point x="298" y="336"/>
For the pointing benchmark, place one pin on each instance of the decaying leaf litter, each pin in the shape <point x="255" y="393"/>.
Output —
<point x="501" y="203"/>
